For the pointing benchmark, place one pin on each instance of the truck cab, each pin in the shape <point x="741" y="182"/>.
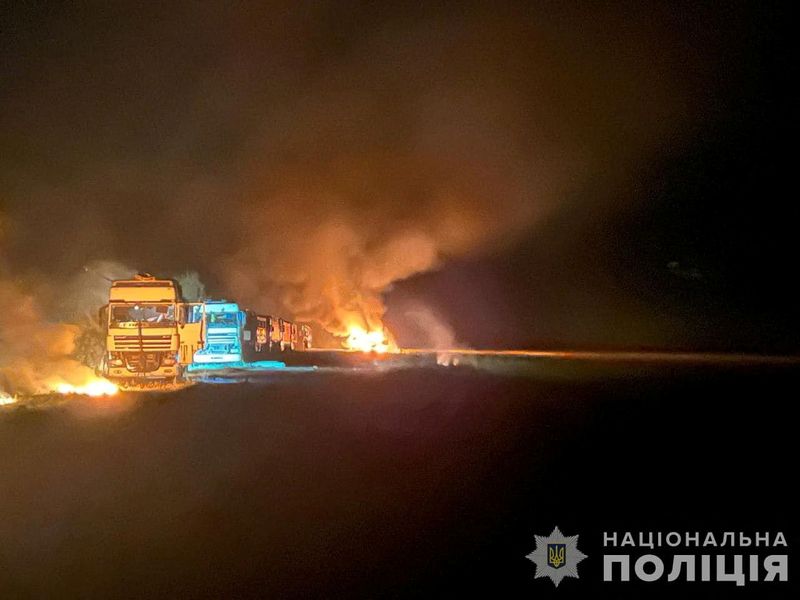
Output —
<point x="223" y="323"/>
<point x="142" y="340"/>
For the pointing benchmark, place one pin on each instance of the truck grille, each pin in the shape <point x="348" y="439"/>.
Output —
<point x="222" y="339"/>
<point x="220" y="342"/>
<point x="151" y="343"/>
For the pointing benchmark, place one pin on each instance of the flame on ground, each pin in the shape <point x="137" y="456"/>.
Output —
<point x="6" y="399"/>
<point x="360" y="340"/>
<point x="96" y="387"/>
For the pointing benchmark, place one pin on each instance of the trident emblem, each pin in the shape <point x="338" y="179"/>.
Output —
<point x="556" y="555"/>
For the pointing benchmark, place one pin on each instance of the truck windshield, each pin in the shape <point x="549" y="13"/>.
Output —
<point x="148" y="315"/>
<point x="222" y="318"/>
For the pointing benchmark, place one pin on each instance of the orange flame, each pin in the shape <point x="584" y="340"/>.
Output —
<point x="95" y="387"/>
<point x="360" y="340"/>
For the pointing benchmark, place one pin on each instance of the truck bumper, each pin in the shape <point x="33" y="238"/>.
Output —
<point x="206" y="359"/>
<point x="160" y="373"/>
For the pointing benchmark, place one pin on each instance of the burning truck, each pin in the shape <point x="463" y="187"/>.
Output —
<point x="236" y="336"/>
<point x="152" y="335"/>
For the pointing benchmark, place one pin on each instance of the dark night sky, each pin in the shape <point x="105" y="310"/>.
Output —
<point x="535" y="175"/>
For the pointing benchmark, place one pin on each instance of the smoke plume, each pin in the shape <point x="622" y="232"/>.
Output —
<point x="41" y="327"/>
<point x="35" y="355"/>
<point x="305" y="158"/>
<point x="434" y="142"/>
<point x="431" y="328"/>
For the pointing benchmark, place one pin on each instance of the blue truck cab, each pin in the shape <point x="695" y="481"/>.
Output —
<point x="223" y="326"/>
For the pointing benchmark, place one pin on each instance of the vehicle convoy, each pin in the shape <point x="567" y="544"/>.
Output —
<point x="234" y="335"/>
<point x="152" y="335"/>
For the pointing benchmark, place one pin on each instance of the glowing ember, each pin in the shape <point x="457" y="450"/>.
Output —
<point x="6" y="399"/>
<point x="98" y="387"/>
<point x="361" y="340"/>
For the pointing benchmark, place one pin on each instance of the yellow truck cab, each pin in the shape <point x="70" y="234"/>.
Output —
<point x="150" y="332"/>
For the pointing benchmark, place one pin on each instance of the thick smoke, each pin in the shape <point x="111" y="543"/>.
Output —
<point x="328" y="250"/>
<point x="434" y="142"/>
<point x="431" y="328"/>
<point x="81" y="294"/>
<point x="44" y="328"/>
<point x="35" y="355"/>
<point x="306" y="159"/>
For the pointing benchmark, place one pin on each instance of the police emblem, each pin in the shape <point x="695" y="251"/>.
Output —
<point x="556" y="556"/>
